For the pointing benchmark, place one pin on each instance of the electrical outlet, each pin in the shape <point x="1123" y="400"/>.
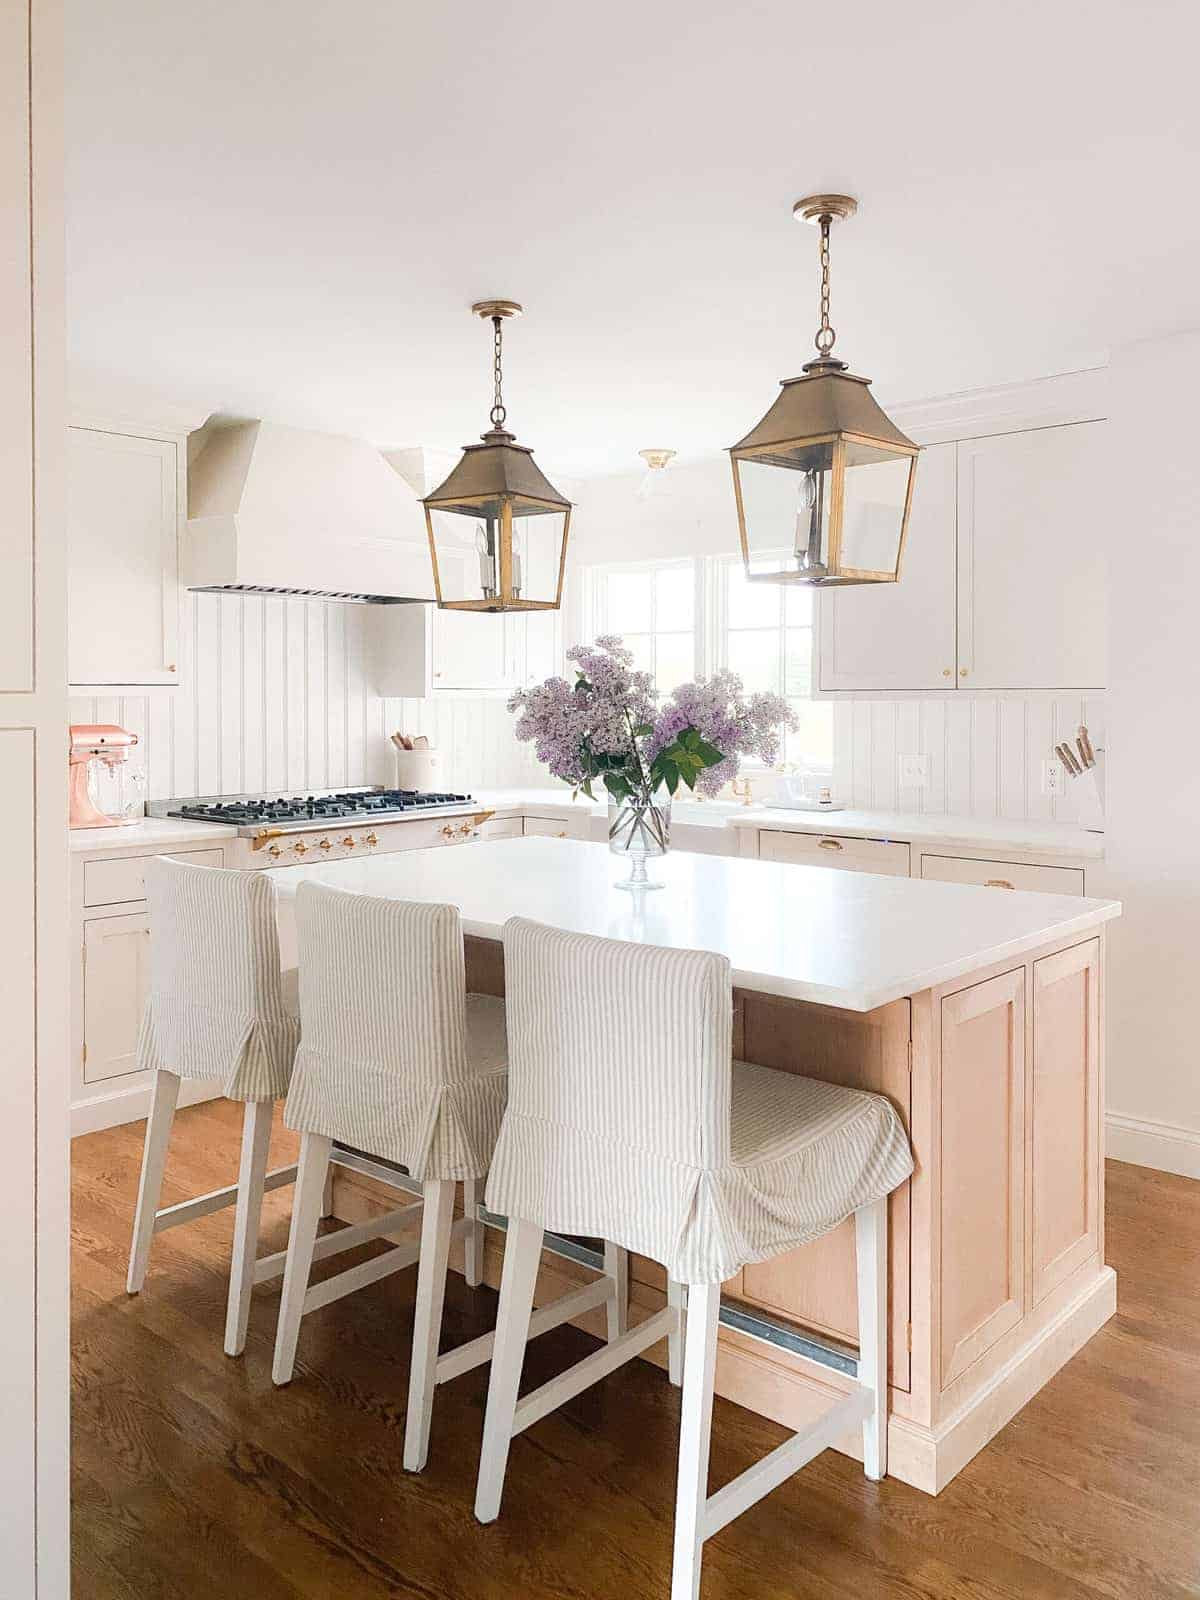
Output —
<point x="1054" y="778"/>
<point x="914" y="772"/>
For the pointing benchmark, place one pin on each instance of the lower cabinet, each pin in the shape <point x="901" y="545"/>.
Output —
<point x="556" y="827"/>
<point x="116" y="979"/>
<point x="1003" y="874"/>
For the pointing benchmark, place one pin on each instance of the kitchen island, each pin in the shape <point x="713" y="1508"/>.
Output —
<point x="979" y="1014"/>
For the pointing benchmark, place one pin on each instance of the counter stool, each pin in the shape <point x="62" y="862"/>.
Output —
<point x="627" y="1120"/>
<point x="219" y="1007"/>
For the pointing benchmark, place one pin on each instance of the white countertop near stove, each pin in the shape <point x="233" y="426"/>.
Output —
<point x="847" y="939"/>
<point x="149" y="835"/>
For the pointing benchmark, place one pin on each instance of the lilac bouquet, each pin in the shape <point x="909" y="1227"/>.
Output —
<point x="608" y="725"/>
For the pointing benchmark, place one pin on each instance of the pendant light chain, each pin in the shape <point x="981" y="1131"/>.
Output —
<point x="499" y="412"/>
<point x="825" y="335"/>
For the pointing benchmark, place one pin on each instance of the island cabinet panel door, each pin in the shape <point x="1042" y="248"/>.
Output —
<point x="981" y="1216"/>
<point x="1065" y="1114"/>
<point x="816" y="1285"/>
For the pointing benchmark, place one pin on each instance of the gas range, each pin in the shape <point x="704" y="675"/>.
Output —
<point x="339" y="818"/>
<point x="249" y="813"/>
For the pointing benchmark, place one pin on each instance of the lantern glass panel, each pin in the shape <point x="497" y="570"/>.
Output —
<point x="876" y="488"/>
<point x="537" y="541"/>
<point x="467" y="542"/>
<point x="787" y="502"/>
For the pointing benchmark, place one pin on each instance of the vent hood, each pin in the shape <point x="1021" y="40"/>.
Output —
<point x="288" y="511"/>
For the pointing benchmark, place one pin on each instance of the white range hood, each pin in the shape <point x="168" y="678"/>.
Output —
<point x="287" y="511"/>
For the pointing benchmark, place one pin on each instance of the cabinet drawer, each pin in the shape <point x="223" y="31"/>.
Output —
<point x="501" y="828"/>
<point x="108" y="883"/>
<point x="883" y="856"/>
<point x="1003" y="874"/>
<point x="556" y="827"/>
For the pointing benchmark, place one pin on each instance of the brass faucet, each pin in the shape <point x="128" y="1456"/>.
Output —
<point x="743" y="790"/>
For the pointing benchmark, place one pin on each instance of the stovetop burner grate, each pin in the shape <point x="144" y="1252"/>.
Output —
<point x="244" y="810"/>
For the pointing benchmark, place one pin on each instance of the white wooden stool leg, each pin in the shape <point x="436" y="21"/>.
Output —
<point x="522" y="1255"/>
<point x="327" y="1192"/>
<point x="306" y="1214"/>
<point x="164" y="1094"/>
<point x="676" y="1299"/>
<point x="256" y="1145"/>
<point x="616" y="1267"/>
<point x="436" y="1221"/>
<point x="473" y="1241"/>
<point x="695" y="1428"/>
<point x="871" y="1244"/>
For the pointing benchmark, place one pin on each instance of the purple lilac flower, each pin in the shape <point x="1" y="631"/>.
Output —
<point x="722" y="714"/>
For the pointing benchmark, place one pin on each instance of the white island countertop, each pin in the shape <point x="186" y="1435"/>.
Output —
<point x="846" y="939"/>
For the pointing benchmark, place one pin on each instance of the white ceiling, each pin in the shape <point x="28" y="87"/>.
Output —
<point x="283" y="208"/>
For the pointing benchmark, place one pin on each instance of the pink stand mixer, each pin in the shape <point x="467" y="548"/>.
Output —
<point x="95" y="741"/>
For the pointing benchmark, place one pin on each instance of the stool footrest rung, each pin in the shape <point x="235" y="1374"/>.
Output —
<point x="591" y="1369"/>
<point x="382" y="1266"/>
<point x="337" y="1240"/>
<point x="475" y="1353"/>
<point x="216" y="1200"/>
<point x="750" y="1486"/>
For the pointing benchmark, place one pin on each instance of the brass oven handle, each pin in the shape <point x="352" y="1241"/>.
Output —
<point x="829" y="844"/>
<point x="263" y="835"/>
<point x="998" y="883"/>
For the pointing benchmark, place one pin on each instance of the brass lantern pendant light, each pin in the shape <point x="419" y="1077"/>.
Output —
<point x="497" y="526"/>
<point x="824" y="482"/>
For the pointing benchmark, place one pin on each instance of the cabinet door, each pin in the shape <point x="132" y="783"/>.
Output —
<point x="123" y="563"/>
<point x="1032" y="571"/>
<point x="473" y="650"/>
<point x="892" y="636"/>
<point x="1065" y="1086"/>
<point x="115" y="985"/>
<point x="980" y="1265"/>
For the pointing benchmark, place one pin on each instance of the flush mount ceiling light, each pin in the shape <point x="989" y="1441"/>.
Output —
<point x="824" y="482"/>
<point x="497" y="526"/>
<point x="656" y="461"/>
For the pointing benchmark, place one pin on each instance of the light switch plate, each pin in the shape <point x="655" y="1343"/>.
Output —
<point x="914" y="772"/>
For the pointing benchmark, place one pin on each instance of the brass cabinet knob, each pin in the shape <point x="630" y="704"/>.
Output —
<point x="371" y="838"/>
<point x="962" y="672"/>
<point x="348" y="841"/>
<point x="946" y="672"/>
<point x="300" y="848"/>
<point x="325" y="845"/>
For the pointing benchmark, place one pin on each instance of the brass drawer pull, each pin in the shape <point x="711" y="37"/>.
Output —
<point x="829" y="844"/>
<point x="998" y="883"/>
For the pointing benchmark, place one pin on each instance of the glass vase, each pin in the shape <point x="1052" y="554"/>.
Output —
<point x="639" y="829"/>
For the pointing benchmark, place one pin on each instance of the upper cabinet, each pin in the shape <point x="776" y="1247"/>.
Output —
<point x="124" y="494"/>
<point x="475" y="652"/>
<point x="1004" y="580"/>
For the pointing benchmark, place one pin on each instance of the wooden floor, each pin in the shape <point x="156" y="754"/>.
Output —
<point x="194" y="1477"/>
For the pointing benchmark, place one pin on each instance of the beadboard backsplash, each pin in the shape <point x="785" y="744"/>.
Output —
<point x="274" y="696"/>
<point x="985" y="755"/>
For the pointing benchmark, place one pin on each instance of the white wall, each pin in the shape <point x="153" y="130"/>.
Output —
<point x="275" y="695"/>
<point x="1152" y="843"/>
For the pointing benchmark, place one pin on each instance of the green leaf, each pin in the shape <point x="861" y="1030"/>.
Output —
<point x="669" y="773"/>
<point x="643" y="730"/>
<point x="689" y="776"/>
<point x="708" y="753"/>
<point x="617" y="785"/>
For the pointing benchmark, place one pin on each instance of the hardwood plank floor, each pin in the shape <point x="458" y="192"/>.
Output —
<point x="194" y="1477"/>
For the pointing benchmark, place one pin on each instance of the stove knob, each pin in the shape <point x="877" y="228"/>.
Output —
<point x="325" y="845"/>
<point x="349" y="841"/>
<point x="371" y="839"/>
<point x="275" y="852"/>
<point x="300" y="848"/>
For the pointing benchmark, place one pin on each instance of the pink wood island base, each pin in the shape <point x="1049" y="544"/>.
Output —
<point x="997" y="1242"/>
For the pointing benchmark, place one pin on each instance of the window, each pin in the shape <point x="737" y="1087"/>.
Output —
<point x="653" y="607"/>
<point x="685" y="618"/>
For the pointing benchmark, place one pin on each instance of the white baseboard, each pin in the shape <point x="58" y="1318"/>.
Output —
<point x="1164" y="1145"/>
<point x="131" y="1104"/>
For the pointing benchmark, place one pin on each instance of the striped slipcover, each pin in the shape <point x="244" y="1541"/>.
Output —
<point x="219" y="1006"/>
<point x="628" y="1121"/>
<point x="396" y="1058"/>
